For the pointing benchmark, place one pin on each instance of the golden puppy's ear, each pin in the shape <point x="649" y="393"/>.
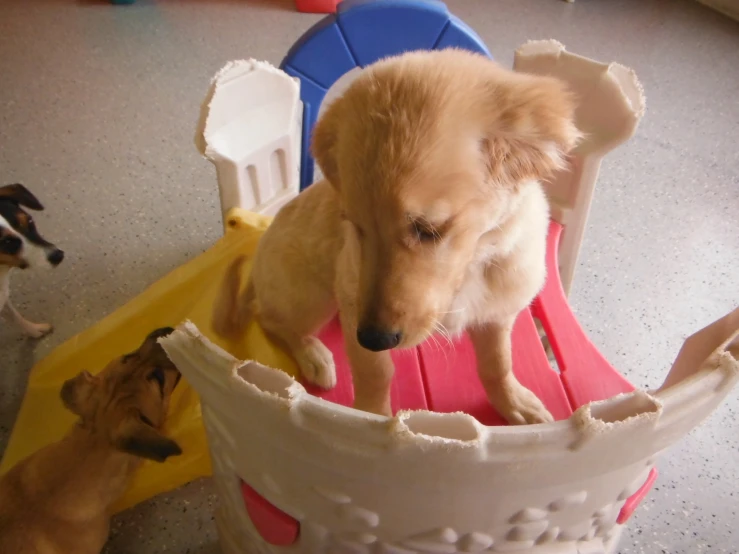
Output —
<point x="137" y="437"/>
<point x="77" y="394"/>
<point x="532" y="130"/>
<point x="323" y="143"/>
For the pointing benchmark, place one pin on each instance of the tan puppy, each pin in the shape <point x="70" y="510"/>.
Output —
<point x="432" y="219"/>
<point x="57" y="501"/>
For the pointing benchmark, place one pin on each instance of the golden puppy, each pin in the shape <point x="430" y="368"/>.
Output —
<point x="57" y="501"/>
<point x="431" y="219"/>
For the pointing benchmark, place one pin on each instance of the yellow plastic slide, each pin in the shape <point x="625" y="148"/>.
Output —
<point x="187" y="292"/>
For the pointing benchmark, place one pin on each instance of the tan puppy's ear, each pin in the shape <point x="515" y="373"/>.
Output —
<point x="323" y="143"/>
<point x="77" y="394"/>
<point x="532" y="129"/>
<point x="137" y="437"/>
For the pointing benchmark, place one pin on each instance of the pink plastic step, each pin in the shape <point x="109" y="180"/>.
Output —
<point x="452" y="384"/>
<point x="586" y="374"/>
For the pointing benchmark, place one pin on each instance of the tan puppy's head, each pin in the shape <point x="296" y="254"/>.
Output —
<point x="429" y="152"/>
<point x="127" y="402"/>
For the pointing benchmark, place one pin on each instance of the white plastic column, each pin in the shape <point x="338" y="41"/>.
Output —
<point x="611" y="104"/>
<point x="249" y="127"/>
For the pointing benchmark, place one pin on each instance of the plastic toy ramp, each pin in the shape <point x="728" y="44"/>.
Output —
<point x="185" y="293"/>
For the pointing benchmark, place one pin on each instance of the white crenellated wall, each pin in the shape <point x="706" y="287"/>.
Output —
<point x="438" y="483"/>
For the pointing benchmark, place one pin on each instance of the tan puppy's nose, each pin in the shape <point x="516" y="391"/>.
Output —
<point x="375" y="339"/>
<point x="161" y="332"/>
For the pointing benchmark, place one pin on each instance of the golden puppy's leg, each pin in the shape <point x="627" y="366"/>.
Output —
<point x="372" y="372"/>
<point x="232" y="313"/>
<point x="315" y="360"/>
<point x="517" y="404"/>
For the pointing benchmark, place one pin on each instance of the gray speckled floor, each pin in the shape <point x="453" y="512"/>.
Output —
<point x="97" y="111"/>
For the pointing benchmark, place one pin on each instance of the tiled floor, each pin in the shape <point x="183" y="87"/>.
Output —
<point x="97" y="111"/>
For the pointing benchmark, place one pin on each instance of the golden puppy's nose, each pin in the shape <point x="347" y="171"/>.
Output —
<point x="377" y="340"/>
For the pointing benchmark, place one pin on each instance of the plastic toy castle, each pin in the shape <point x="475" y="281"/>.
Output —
<point x="297" y="471"/>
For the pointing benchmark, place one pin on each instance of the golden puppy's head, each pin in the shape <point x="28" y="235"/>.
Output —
<point x="127" y="402"/>
<point x="429" y="151"/>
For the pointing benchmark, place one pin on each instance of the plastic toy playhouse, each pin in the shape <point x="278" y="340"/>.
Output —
<point x="298" y="471"/>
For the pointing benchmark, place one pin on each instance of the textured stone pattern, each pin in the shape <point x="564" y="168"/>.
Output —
<point x="531" y="530"/>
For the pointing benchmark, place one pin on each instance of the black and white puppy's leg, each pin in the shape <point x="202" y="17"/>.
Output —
<point x="33" y="330"/>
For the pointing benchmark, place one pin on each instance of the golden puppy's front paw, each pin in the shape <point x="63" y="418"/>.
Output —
<point x="316" y="363"/>
<point x="519" y="406"/>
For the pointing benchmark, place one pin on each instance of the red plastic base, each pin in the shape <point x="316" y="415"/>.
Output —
<point x="443" y="378"/>
<point x="635" y="499"/>
<point x="274" y="525"/>
<point x="316" y="6"/>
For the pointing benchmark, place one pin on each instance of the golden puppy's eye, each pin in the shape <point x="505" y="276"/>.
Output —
<point x="359" y="230"/>
<point x="424" y="232"/>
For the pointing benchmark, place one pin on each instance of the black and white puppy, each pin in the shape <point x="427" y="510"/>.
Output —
<point x="22" y="247"/>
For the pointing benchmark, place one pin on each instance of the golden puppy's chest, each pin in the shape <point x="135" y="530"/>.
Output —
<point x="493" y="293"/>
